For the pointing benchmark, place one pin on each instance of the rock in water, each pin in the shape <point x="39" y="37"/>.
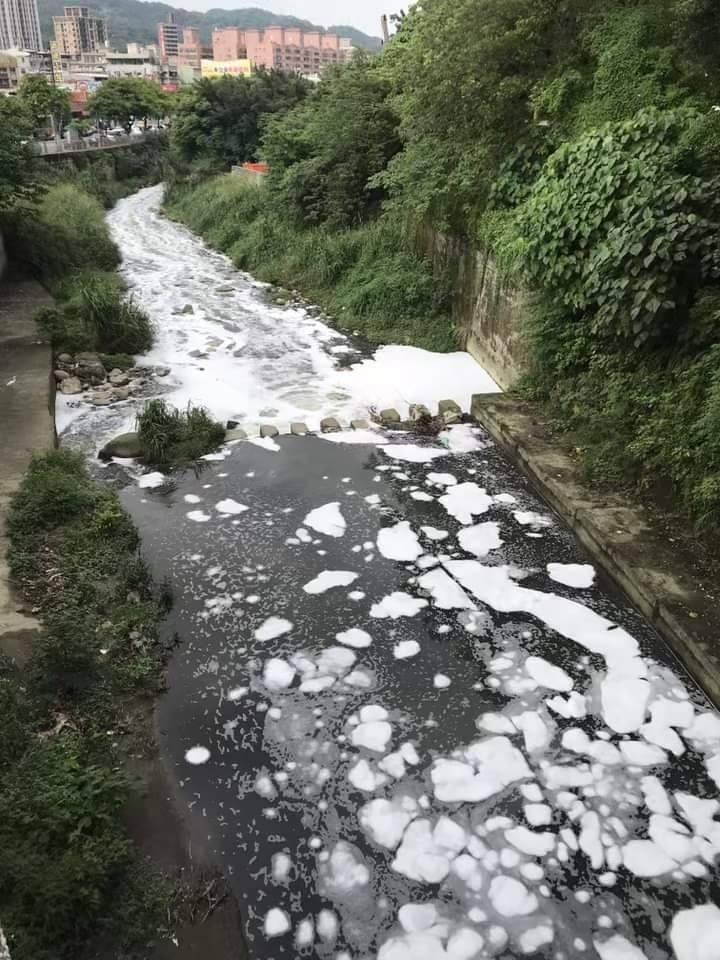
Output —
<point x="70" y="385"/>
<point x="125" y="445"/>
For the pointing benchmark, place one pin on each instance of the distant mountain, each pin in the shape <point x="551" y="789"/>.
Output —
<point x="135" y="20"/>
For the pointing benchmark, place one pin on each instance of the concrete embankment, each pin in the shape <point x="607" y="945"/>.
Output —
<point x="28" y="421"/>
<point x="657" y="568"/>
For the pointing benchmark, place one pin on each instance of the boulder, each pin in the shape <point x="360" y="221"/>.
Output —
<point x="390" y="416"/>
<point x="121" y="393"/>
<point x="359" y="425"/>
<point x="448" y="406"/>
<point x="118" y="378"/>
<point x="188" y="308"/>
<point x="451" y="416"/>
<point x="329" y="425"/>
<point x="162" y="371"/>
<point x="268" y="430"/>
<point x="101" y="399"/>
<point x="125" y="445"/>
<point x="418" y="411"/>
<point x="70" y="385"/>
<point x="235" y="434"/>
<point x="298" y="429"/>
<point x="65" y="358"/>
<point x="61" y="375"/>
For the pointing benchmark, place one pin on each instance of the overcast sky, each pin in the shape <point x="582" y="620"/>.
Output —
<point x="364" y="14"/>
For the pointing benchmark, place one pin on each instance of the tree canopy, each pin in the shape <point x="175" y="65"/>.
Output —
<point x="125" y="100"/>
<point x="42" y="100"/>
<point x="17" y="177"/>
<point x="219" y="120"/>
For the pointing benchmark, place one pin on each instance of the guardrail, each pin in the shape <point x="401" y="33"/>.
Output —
<point x="54" y="148"/>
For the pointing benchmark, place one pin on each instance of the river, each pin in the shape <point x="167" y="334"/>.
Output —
<point x="410" y="718"/>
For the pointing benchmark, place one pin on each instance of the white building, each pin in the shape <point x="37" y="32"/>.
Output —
<point x="19" y="25"/>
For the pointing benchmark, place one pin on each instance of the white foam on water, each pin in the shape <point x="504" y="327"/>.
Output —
<point x="397" y="605"/>
<point x="197" y="755"/>
<point x="152" y="480"/>
<point x="580" y="575"/>
<point x="327" y="520"/>
<point x="440" y="681"/>
<point x="281" y="867"/>
<point x="433" y="533"/>
<point x="330" y="578"/>
<point x="385" y="821"/>
<point x="413" y="452"/>
<point x="266" y="443"/>
<point x="528" y="518"/>
<point x="446" y="593"/>
<point x="405" y="649"/>
<point x="487" y="767"/>
<point x="511" y="898"/>
<point x="199" y="516"/>
<point x="618" y="948"/>
<point x="442" y="479"/>
<point x="548" y="675"/>
<point x="277" y="922"/>
<point x="462" y="438"/>
<point x="192" y="498"/>
<point x="278" y="674"/>
<point x="399" y="542"/>
<point x="230" y="507"/>
<point x="481" y="539"/>
<point x="695" y="933"/>
<point x="465" y="501"/>
<point x="273" y="627"/>
<point x="354" y="637"/>
<point x="374" y="735"/>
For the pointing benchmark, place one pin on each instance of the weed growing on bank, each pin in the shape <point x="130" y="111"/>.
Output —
<point x="368" y="276"/>
<point x="171" y="437"/>
<point x="94" y="312"/>
<point x="68" y="873"/>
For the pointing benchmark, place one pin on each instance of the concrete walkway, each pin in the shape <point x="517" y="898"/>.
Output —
<point x="28" y="425"/>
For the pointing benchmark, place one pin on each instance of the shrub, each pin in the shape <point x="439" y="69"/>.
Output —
<point x="171" y="436"/>
<point x="56" y="490"/>
<point x="95" y="314"/>
<point x="62" y="848"/>
<point x="65" y="232"/>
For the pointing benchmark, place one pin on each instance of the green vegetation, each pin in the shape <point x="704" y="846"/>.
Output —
<point x="216" y="122"/>
<point x="125" y="100"/>
<point x="68" y="874"/>
<point x="170" y="437"/>
<point x="17" y="178"/>
<point x="43" y="101"/>
<point x="580" y="141"/>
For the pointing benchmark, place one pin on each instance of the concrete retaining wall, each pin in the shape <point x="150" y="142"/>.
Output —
<point x="3" y="257"/>
<point x="487" y="313"/>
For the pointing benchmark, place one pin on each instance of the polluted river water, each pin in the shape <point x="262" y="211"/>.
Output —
<point x="411" y="719"/>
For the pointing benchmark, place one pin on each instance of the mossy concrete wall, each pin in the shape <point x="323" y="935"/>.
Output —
<point x="487" y="313"/>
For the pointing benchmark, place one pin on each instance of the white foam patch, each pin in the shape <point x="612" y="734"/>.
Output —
<point x="277" y="922"/>
<point x="266" y="443"/>
<point x="368" y="436"/>
<point x="511" y="898"/>
<point x="278" y="674"/>
<point x="327" y="520"/>
<point x="192" y="498"/>
<point x="406" y="649"/>
<point x="152" y="480"/>
<point x="199" y="516"/>
<point x="413" y="453"/>
<point x="385" y="821"/>
<point x="462" y="438"/>
<point x="442" y="479"/>
<point x="433" y="533"/>
<point x="273" y="627"/>
<point x="329" y="579"/>
<point x="363" y="777"/>
<point x="197" y="755"/>
<point x="580" y="575"/>
<point x="281" y="867"/>
<point x="374" y="735"/>
<point x="695" y="933"/>
<point x="487" y="767"/>
<point x="230" y="507"/>
<point x="481" y="539"/>
<point x="426" y="853"/>
<point x="548" y="675"/>
<point x="421" y="496"/>
<point x="618" y="948"/>
<point x="465" y="501"/>
<point x="399" y="542"/>
<point x="527" y="518"/>
<point x="397" y="605"/>
<point x="624" y="690"/>
<point x="354" y="637"/>
<point x="446" y="594"/>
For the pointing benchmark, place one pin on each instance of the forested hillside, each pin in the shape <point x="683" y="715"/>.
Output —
<point x="136" y="20"/>
<point x="577" y="139"/>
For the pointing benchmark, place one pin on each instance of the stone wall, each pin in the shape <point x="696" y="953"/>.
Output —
<point x="3" y="257"/>
<point x="487" y="313"/>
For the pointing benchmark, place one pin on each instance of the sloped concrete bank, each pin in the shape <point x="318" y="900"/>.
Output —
<point x="657" y="572"/>
<point x="27" y="397"/>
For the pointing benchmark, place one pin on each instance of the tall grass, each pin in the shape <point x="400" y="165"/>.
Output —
<point x="170" y="436"/>
<point x="369" y="276"/>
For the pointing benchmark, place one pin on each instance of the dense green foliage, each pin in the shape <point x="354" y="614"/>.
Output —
<point x="217" y="121"/>
<point x="137" y="20"/>
<point x="170" y="436"/>
<point x="125" y="100"/>
<point x="17" y="178"/>
<point x="369" y="277"/>
<point x="67" y="870"/>
<point x="44" y="102"/>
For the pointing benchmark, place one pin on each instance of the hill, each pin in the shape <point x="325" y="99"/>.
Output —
<point x="137" y="20"/>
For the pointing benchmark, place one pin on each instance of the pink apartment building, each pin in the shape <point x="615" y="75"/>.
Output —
<point x="282" y="48"/>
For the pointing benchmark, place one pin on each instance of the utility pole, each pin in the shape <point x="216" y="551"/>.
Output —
<point x="384" y="27"/>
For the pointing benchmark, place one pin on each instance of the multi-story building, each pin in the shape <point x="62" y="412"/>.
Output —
<point x="191" y="50"/>
<point x="282" y="48"/>
<point x="139" y="61"/>
<point x="15" y="64"/>
<point x="168" y="38"/>
<point x="80" y="32"/>
<point x="19" y="25"/>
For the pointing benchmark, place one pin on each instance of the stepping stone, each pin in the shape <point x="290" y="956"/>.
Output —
<point x="418" y="411"/>
<point x="298" y="429"/>
<point x="329" y="425"/>
<point x="359" y="425"/>
<point x="235" y="434"/>
<point x="268" y="430"/>
<point x="448" y="406"/>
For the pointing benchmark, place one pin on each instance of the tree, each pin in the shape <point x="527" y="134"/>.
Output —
<point x="324" y="153"/>
<point x="125" y="100"/>
<point x="218" y="121"/>
<point x="17" y="177"/>
<point x="43" y="100"/>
